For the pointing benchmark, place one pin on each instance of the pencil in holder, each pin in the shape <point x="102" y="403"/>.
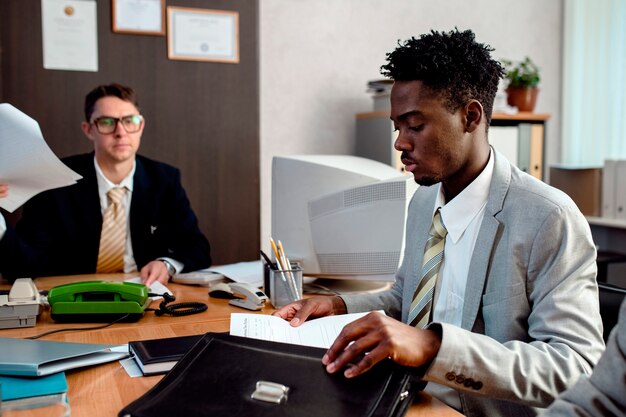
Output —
<point x="285" y="286"/>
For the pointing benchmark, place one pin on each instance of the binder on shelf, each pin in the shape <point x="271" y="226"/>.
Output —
<point x="608" y="188"/>
<point x="536" y="150"/>
<point x="620" y="190"/>
<point x="505" y="140"/>
<point x="230" y="375"/>
<point x="523" y="153"/>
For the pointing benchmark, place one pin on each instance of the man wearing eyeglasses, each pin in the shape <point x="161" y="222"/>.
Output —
<point x="128" y="213"/>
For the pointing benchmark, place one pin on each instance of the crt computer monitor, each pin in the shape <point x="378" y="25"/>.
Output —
<point x="340" y="216"/>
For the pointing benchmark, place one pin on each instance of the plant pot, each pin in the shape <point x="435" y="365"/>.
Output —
<point x="524" y="98"/>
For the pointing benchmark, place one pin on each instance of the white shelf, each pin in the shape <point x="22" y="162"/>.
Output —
<point x="602" y="221"/>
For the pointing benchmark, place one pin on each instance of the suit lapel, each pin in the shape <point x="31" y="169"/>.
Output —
<point x="83" y="204"/>
<point x="89" y="199"/>
<point x="487" y="237"/>
<point x="139" y="201"/>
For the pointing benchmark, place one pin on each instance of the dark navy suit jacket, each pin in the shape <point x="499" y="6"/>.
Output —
<point x="59" y="231"/>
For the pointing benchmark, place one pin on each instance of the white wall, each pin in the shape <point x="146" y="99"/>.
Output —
<point x="318" y="55"/>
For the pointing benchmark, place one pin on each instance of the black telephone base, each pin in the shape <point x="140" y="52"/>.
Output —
<point x="96" y="317"/>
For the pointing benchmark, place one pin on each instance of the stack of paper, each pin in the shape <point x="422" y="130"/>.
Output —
<point x="26" y="162"/>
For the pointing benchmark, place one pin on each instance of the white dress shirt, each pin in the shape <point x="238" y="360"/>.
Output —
<point x="462" y="217"/>
<point x="104" y="186"/>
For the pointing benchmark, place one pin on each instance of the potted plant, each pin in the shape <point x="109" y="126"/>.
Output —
<point x="523" y="78"/>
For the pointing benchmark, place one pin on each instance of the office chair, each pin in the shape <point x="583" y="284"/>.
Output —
<point x="611" y="297"/>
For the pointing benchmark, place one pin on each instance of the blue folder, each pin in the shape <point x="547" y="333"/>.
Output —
<point x="26" y="357"/>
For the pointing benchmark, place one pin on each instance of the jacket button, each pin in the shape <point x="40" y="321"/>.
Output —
<point x="450" y="376"/>
<point x="460" y="379"/>
<point x="469" y="382"/>
<point x="477" y="385"/>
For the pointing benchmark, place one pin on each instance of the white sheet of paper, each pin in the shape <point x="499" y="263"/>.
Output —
<point x="70" y="35"/>
<point x="131" y="367"/>
<point x="26" y="162"/>
<point x="245" y="272"/>
<point x="320" y="332"/>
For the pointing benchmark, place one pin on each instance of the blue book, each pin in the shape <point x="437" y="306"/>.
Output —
<point x="46" y="393"/>
<point x="16" y="387"/>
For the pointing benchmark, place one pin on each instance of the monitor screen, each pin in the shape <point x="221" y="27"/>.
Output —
<point x="340" y="216"/>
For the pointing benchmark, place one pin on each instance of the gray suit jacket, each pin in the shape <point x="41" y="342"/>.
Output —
<point x="531" y="322"/>
<point x="604" y="394"/>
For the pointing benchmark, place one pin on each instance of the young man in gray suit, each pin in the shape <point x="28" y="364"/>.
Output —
<point x="514" y="319"/>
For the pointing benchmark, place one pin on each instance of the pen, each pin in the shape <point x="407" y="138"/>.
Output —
<point x="267" y="259"/>
<point x="287" y="264"/>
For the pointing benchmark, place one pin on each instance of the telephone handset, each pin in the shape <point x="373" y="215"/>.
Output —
<point x="21" y="306"/>
<point x="97" y="301"/>
<point x="24" y="291"/>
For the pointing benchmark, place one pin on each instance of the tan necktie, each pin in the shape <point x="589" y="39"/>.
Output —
<point x="113" y="235"/>
<point x="421" y="306"/>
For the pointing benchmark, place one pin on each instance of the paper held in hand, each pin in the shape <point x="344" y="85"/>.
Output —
<point x="320" y="332"/>
<point x="27" y="164"/>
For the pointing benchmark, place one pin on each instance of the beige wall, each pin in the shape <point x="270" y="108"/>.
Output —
<point x="316" y="57"/>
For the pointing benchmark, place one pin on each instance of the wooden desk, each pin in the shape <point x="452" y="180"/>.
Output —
<point x="103" y="390"/>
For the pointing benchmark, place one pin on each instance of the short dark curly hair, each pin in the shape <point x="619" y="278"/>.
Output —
<point x="452" y="64"/>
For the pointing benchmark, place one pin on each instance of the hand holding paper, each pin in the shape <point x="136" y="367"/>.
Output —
<point x="320" y="332"/>
<point x="27" y="164"/>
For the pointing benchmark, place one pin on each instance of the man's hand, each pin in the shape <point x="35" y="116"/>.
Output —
<point x="297" y="312"/>
<point x="4" y="190"/>
<point x="154" y="271"/>
<point x="375" y="338"/>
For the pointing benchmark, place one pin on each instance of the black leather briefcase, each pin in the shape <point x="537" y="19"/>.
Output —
<point x="225" y="375"/>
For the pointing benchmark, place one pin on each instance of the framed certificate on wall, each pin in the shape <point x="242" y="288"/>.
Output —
<point x="139" y="17"/>
<point x="202" y="35"/>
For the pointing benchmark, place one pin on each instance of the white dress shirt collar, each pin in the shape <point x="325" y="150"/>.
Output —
<point x="462" y="209"/>
<point x="104" y="184"/>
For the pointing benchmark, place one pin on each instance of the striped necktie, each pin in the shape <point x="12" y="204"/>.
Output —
<point x="113" y="235"/>
<point x="421" y="306"/>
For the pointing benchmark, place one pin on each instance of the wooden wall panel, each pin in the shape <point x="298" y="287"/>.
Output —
<point x="202" y="117"/>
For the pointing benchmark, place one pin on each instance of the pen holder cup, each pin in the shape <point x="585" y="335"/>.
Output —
<point x="284" y="286"/>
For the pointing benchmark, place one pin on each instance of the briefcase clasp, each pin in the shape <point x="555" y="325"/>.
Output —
<point x="271" y="392"/>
